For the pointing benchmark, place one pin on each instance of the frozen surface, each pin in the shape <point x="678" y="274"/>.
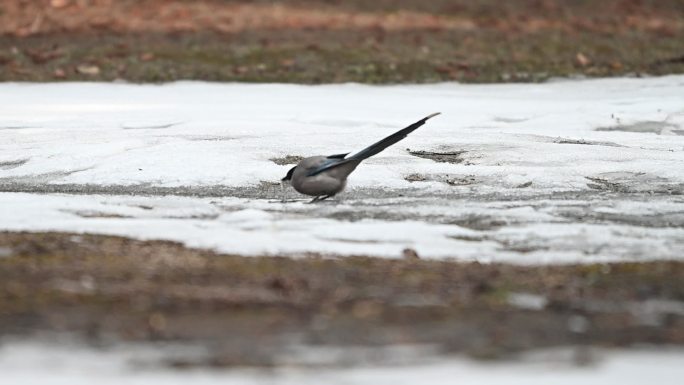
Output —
<point x="560" y="172"/>
<point x="46" y="364"/>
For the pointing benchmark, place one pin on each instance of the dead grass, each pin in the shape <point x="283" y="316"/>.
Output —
<point x="301" y="41"/>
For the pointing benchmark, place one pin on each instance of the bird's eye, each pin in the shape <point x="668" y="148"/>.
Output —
<point x="289" y="174"/>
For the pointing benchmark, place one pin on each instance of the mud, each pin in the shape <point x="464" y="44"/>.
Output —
<point x="441" y="157"/>
<point x="247" y="311"/>
<point x="634" y="182"/>
<point x="287" y="160"/>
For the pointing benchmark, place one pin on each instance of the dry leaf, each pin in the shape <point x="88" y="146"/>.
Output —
<point x="41" y="57"/>
<point x="59" y="3"/>
<point x="148" y="56"/>
<point x="86" y="69"/>
<point x="287" y="62"/>
<point x="582" y="59"/>
<point x="409" y="254"/>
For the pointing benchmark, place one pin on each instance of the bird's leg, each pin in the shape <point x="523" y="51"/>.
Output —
<point x="283" y="192"/>
<point x="319" y="198"/>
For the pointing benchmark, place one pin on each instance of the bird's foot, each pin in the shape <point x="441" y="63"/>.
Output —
<point x="321" y="197"/>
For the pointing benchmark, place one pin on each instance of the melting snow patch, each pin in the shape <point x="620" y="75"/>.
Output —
<point x="45" y="363"/>
<point x="558" y="172"/>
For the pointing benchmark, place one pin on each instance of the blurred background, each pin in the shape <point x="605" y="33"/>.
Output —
<point x="306" y="41"/>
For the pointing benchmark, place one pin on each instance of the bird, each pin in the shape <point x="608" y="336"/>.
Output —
<point x="325" y="176"/>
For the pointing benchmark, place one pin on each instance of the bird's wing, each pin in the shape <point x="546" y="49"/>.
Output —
<point x="329" y="163"/>
<point x="339" y="159"/>
<point x="377" y="147"/>
<point x="337" y="156"/>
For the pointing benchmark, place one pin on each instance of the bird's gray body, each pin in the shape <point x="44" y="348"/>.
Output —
<point x="325" y="176"/>
<point x="328" y="182"/>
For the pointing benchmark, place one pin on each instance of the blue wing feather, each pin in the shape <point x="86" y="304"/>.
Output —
<point x="329" y="163"/>
<point x="339" y="159"/>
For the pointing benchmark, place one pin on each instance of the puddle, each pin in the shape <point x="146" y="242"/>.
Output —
<point x="634" y="182"/>
<point x="8" y="165"/>
<point x="586" y="142"/>
<point x="468" y="238"/>
<point x="660" y="220"/>
<point x="522" y="247"/>
<point x="95" y="214"/>
<point x="648" y="126"/>
<point x="510" y="120"/>
<point x="150" y="127"/>
<point x="361" y="241"/>
<point x="440" y="157"/>
<point x="478" y="222"/>
<point x="416" y="178"/>
<point x="39" y="179"/>
<point x="205" y="138"/>
<point x="461" y="180"/>
<point x="465" y="180"/>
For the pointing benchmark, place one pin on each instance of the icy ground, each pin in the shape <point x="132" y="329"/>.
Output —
<point x="45" y="363"/>
<point x="586" y="170"/>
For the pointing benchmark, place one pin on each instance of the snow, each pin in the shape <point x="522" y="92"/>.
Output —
<point x="523" y="178"/>
<point x="31" y="362"/>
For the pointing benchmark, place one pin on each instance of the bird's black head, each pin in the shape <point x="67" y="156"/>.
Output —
<point x="289" y="174"/>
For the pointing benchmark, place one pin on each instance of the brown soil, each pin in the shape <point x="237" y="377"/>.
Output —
<point x="23" y="18"/>
<point x="333" y="41"/>
<point x="247" y="310"/>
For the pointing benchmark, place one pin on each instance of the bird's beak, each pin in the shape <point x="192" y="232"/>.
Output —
<point x="288" y="177"/>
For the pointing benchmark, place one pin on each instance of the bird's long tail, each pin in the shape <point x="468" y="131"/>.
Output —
<point x="376" y="148"/>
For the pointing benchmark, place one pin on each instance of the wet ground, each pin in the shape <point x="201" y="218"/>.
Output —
<point x="255" y="311"/>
